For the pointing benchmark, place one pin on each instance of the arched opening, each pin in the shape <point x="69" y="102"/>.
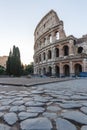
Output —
<point x="66" y="70"/>
<point x="49" y="71"/>
<point x="78" y="69"/>
<point x="66" y="50"/>
<point x="40" y="58"/>
<point x="57" y="52"/>
<point x="39" y="71"/>
<point x="44" y="71"/>
<point x="36" y="61"/>
<point x="50" y="38"/>
<point x="44" y="56"/>
<point x="45" y="41"/>
<point x="49" y="54"/>
<point x="80" y="49"/>
<point x="57" y="71"/>
<point x="57" y="35"/>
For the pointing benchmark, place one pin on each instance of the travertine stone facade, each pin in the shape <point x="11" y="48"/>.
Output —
<point x="54" y="52"/>
<point x="3" y="60"/>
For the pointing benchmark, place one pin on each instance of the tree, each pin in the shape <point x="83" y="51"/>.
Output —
<point x="13" y="65"/>
<point x="2" y="70"/>
<point x="29" y="69"/>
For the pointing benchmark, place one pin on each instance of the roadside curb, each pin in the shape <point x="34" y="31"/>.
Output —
<point x="39" y="83"/>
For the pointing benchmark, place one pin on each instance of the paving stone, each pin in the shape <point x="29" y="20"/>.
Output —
<point x="36" y="124"/>
<point x="4" y="108"/>
<point x="37" y="92"/>
<point x="85" y="104"/>
<point x="78" y="97"/>
<point x="76" y="116"/>
<point x="17" y="108"/>
<point x="41" y="99"/>
<point x="21" y="108"/>
<point x="50" y="115"/>
<point x="70" y="105"/>
<point x="25" y="115"/>
<point x="35" y="109"/>
<point x="4" y="127"/>
<point x="20" y="102"/>
<point x="34" y="104"/>
<point x="1" y="97"/>
<point x="7" y="102"/>
<point x="10" y="118"/>
<point x="1" y="114"/>
<point x="84" y="109"/>
<point x="14" y="109"/>
<point x="53" y="108"/>
<point x="62" y="124"/>
<point x="84" y="127"/>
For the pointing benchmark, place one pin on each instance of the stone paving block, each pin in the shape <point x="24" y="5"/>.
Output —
<point x="63" y="124"/>
<point x="36" y="124"/>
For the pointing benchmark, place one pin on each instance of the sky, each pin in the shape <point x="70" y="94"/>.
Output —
<point x="19" y="18"/>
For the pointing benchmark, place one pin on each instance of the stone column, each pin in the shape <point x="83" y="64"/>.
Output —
<point x="53" y="53"/>
<point x="61" y="69"/>
<point x="84" y="65"/>
<point x="53" y="37"/>
<point x="60" y="51"/>
<point x="61" y="32"/>
<point x="46" y="40"/>
<point x="71" y="69"/>
<point x="53" y="70"/>
<point x="46" y="52"/>
<point x="71" y="50"/>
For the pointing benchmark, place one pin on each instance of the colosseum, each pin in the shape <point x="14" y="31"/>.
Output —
<point x="54" y="52"/>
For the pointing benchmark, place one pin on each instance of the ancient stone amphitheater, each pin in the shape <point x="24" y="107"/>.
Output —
<point x="54" y="52"/>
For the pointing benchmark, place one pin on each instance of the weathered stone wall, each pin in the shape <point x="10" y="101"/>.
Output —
<point x="54" y="52"/>
<point x="3" y="60"/>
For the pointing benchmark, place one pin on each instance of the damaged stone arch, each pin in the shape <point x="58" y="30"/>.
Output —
<point x="66" y="50"/>
<point x="57" y="35"/>
<point x="49" y="54"/>
<point x="49" y="73"/>
<point x="66" y="70"/>
<point x="57" y="52"/>
<point x="44" y="71"/>
<point x="80" y="49"/>
<point x="44" y="56"/>
<point x="57" y="71"/>
<point x="77" y="69"/>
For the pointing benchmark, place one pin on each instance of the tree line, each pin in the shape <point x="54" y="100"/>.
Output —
<point x="14" y="67"/>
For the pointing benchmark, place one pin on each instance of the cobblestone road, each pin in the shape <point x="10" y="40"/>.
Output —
<point x="57" y="106"/>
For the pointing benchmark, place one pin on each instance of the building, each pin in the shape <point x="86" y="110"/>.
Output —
<point x="54" y="52"/>
<point x="3" y="60"/>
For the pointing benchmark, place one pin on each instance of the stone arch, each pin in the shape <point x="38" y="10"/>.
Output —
<point x="66" y="50"/>
<point x="57" y="35"/>
<point x="57" y="52"/>
<point x="66" y="70"/>
<point x="78" y="69"/>
<point x="57" y="71"/>
<point x="44" y="56"/>
<point x="36" y="60"/>
<point x="50" y="38"/>
<point x="80" y="49"/>
<point x="49" y="54"/>
<point x="49" y="71"/>
<point x="39" y="71"/>
<point x="40" y="58"/>
<point x="44" y="70"/>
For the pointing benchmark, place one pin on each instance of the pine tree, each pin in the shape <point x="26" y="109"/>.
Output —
<point x="14" y="62"/>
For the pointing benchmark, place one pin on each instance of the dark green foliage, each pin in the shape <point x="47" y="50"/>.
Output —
<point x="28" y="69"/>
<point x="13" y="66"/>
<point x="2" y="70"/>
